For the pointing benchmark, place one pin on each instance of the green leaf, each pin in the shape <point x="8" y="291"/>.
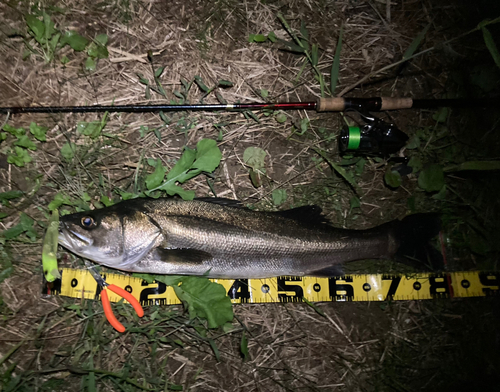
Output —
<point x="90" y="64"/>
<point x="3" y="136"/>
<point x="68" y="150"/>
<point x="20" y="157"/>
<point x="17" y="132"/>
<point x="205" y="299"/>
<point x="393" y="178"/>
<point x="38" y="131"/>
<point x="303" y="30"/>
<point x="280" y="117"/>
<point x="314" y="55"/>
<point x="431" y="178"/>
<point x="334" y="72"/>
<point x="64" y="60"/>
<point x="416" y="164"/>
<point x="142" y="79"/>
<point x="413" y="143"/>
<point x="208" y="155"/>
<point x="92" y="129"/>
<point x="156" y="178"/>
<point x="304" y="124"/>
<point x="254" y="157"/>
<point x="9" y="195"/>
<point x="173" y="189"/>
<point x="37" y="27"/>
<point x="201" y="85"/>
<point x="264" y="93"/>
<point x="102" y="39"/>
<point x="59" y="200"/>
<point x="256" y="177"/>
<point x="490" y="44"/>
<point x="183" y="164"/>
<point x="279" y="196"/>
<point x="258" y="38"/>
<point x="97" y="49"/>
<point x="12" y="232"/>
<point x="441" y="115"/>
<point x="416" y="43"/>
<point x="244" y="347"/>
<point x="354" y="202"/>
<point x="225" y="83"/>
<point x="106" y="201"/>
<point x="75" y="40"/>
<point x="49" y="25"/>
<point x="441" y="195"/>
<point x="272" y="36"/>
<point x="25" y="141"/>
<point x="25" y="225"/>
<point x="252" y="115"/>
<point x="159" y="71"/>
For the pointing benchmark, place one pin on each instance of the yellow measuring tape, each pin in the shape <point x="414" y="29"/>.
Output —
<point x="379" y="287"/>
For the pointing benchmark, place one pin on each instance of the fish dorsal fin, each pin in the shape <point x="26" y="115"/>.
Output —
<point x="182" y="255"/>
<point x="221" y="201"/>
<point x="306" y="214"/>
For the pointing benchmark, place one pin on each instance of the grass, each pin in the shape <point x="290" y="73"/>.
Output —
<point x="87" y="161"/>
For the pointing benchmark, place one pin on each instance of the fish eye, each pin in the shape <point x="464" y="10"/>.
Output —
<point x="87" y="222"/>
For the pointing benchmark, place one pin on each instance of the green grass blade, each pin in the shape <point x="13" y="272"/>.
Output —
<point x="340" y="170"/>
<point x="474" y="165"/>
<point x="334" y="73"/>
<point x="490" y="44"/>
<point x="416" y="43"/>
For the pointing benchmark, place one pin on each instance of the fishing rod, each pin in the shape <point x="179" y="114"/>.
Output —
<point x="336" y="104"/>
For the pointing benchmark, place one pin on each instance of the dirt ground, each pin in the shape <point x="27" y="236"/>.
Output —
<point x="65" y="344"/>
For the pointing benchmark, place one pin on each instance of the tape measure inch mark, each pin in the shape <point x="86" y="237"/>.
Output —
<point x="80" y="283"/>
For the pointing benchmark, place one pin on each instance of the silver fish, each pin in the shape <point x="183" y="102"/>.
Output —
<point x="221" y="239"/>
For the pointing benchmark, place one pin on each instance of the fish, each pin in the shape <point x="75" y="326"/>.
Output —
<point x="220" y="238"/>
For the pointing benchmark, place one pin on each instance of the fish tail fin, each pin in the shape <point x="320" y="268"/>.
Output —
<point x="413" y="235"/>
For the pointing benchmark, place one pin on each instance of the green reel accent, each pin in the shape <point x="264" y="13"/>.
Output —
<point x="354" y="138"/>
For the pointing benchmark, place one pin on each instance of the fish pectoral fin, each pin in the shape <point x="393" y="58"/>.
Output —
<point x="182" y="255"/>
<point x="328" y="272"/>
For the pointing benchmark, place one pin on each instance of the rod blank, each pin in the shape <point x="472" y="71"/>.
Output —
<point x="335" y="104"/>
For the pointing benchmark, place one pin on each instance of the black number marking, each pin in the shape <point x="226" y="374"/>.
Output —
<point x="395" y="280"/>
<point x="74" y="282"/>
<point x="335" y="288"/>
<point x="239" y="290"/>
<point x="282" y="286"/>
<point x="491" y="280"/>
<point x="159" y="289"/>
<point x="439" y="289"/>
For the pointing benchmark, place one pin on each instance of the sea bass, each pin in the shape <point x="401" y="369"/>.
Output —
<point x="220" y="238"/>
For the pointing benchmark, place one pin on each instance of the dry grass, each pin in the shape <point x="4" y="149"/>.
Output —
<point x="356" y="346"/>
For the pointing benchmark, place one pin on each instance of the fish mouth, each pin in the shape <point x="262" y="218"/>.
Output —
<point x="72" y="239"/>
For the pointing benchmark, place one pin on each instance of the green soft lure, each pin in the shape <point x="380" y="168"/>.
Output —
<point x="49" y="249"/>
